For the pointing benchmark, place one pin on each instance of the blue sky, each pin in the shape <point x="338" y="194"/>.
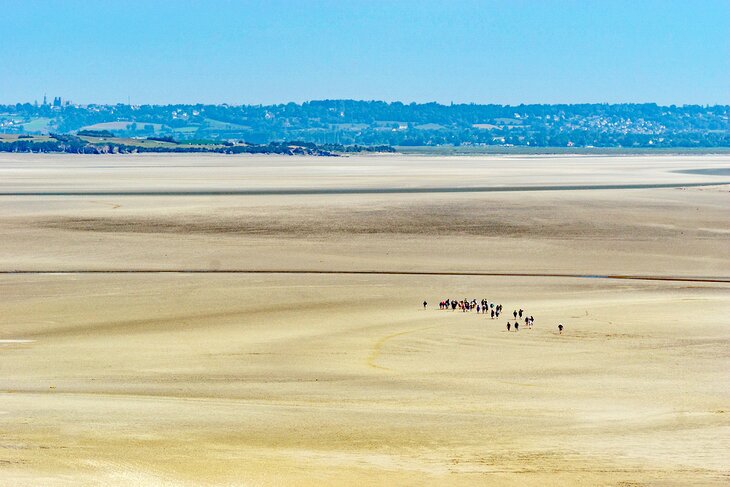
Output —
<point x="507" y="52"/>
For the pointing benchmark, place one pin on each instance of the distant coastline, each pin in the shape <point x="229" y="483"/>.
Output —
<point x="103" y="144"/>
<point x="71" y="144"/>
<point x="562" y="151"/>
<point x="352" y="123"/>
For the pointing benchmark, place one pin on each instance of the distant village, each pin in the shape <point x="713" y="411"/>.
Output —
<point x="376" y="123"/>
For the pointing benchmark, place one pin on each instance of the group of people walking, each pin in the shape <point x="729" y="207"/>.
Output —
<point x="493" y="310"/>
<point x="529" y="320"/>
<point x="464" y="305"/>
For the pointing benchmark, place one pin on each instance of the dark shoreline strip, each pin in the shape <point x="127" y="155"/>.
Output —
<point x="326" y="191"/>
<point x="381" y="273"/>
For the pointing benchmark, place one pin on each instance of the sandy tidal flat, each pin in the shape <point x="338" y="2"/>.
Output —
<point x="269" y="378"/>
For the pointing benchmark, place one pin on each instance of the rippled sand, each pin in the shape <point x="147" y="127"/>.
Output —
<point x="272" y="378"/>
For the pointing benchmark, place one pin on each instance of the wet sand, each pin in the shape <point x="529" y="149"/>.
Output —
<point x="329" y="371"/>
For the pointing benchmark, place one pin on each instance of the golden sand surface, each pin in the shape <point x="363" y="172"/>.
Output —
<point x="325" y="376"/>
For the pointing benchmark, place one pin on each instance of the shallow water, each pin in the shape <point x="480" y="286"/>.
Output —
<point x="323" y="191"/>
<point x="712" y="171"/>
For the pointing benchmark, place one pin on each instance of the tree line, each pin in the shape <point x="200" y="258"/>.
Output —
<point x="368" y="123"/>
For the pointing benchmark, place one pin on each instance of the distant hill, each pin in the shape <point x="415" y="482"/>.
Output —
<point x="371" y="123"/>
<point x="104" y="142"/>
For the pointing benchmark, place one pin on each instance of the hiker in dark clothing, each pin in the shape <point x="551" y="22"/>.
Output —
<point x="560" y="328"/>
<point x="425" y="304"/>
<point x="508" y="325"/>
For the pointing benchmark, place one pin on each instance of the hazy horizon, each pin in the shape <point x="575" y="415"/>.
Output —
<point x="51" y="96"/>
<point x="246" y="52"/>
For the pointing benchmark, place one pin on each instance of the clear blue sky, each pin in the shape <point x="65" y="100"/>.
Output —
<point x="509" y="52"/>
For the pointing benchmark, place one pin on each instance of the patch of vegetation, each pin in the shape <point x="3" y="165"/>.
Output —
<point x="95" y="133"/>
<point x="164" y="138"/>
<point x="199" y="142"/>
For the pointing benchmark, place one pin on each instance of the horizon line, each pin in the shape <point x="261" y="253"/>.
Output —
<point x="363" y="100"/>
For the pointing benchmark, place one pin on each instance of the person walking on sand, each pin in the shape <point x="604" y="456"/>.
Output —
<point x="508" y="325"/>
<point x="520" y="313"/>
<point x="514" y="313"/>
<point x="492" y="314"/>
<point x="425" y="304"/>
<point x="560" y="328"/>
<point x="517" y="325"/>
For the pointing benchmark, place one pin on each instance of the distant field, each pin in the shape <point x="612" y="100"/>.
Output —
<point x="91" y="140"/>
<point x="37" y="125"/>
<point x="34" y="138"/>
<point x="186" y="130"/>
<point x="119" y="126"/>
<point x="219" y="125"/>
<point x="127" y="141"/>
<point x="140" y="142"/>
